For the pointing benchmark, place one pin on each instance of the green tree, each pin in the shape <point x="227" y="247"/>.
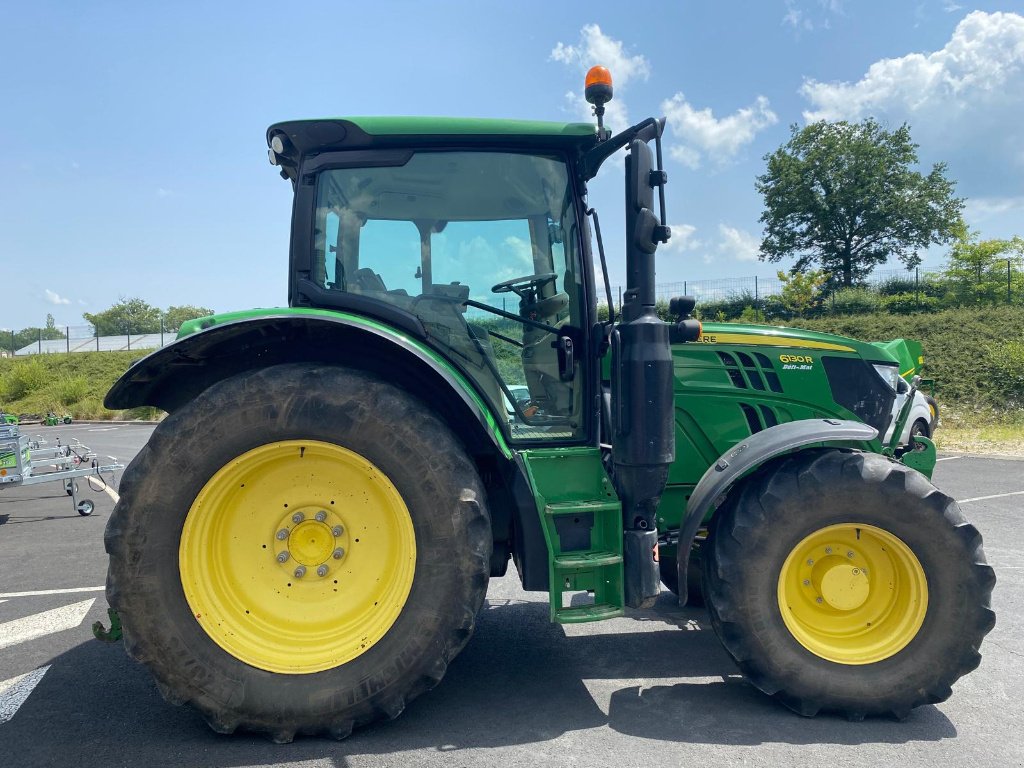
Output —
<point x="802" y="290"/>
<point x="844" y="196"/>
<point x="133" y="316"/>
<point x="985" y="271"/>
<point x="26" y="336"/>
<point x="175" y="316"/>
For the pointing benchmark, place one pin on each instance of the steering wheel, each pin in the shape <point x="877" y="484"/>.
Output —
<point x="521" y="285"/>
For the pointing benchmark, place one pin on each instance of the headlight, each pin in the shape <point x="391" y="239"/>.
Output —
<point x="890" y="374"/>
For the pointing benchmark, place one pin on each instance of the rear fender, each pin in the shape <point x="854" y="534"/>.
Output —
<point x="747" y="456"/>
<point x="174" y="375"/>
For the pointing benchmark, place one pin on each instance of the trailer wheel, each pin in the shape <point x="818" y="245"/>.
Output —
<point x="920" y="428"/>
<point x="843" y="581"/>
<point x="86" y="507"/>
<point x="301" y="549"/>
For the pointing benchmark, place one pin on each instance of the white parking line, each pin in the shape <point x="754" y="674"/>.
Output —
<point x="102" y="429"/>
<point x="993" y="496"/>
<point x="948" y="458"/>
<point x="45" y="623"/>
<point x="13" y="692"/>
<point x="40" y="592"/>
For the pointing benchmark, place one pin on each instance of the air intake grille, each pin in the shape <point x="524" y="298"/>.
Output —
<point x="745" y="373"/>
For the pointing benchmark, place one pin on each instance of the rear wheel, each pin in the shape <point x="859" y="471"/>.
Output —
<point x="844" y="581"/>
<point x="321" y="529"/>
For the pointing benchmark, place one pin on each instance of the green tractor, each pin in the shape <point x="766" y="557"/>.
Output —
<point x="352" y="469"/>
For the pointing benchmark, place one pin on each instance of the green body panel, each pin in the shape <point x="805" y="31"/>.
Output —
<point x="909" y="354"/>
<point x="713" y="414"/>
<point x="581" y="517"/>
<point x="204" y="323"/>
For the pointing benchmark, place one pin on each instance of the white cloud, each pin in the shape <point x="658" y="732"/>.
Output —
<point x="963" y="102"/>
<point x="796" y="18"/>
<point x="738" y="243"/>
<point x="161" y="192"/>
<point x="595" y="47"/>
<point x="984" y="57"/>
<point x="721" y="139"/>
<point x="682" y="239"/>
<point x="799" y="18"/>
<point x="981" y="209"/>
<point x="55" y="298"/>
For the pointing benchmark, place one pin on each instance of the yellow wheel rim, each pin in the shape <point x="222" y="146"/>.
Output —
<point x="853" y="594"/>
<point x="297" y="556"/>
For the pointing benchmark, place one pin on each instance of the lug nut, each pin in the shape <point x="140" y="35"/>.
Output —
<point x="828" y="550"/>
<point x="298" y="517"/>
<point x="819" y="600"/>
<point x="320" y="516"/>
<point x="339" y="553"/>
<point x="807" y="582"/>
<point x="282" y="557"/>
<point x="810" y="562"/>
<point x="337" y="531"/>
<point x="300" y="572"/>
<point x="321" y="571"/>
<point x="282" y="534"/>
<point x="850" y="553"/>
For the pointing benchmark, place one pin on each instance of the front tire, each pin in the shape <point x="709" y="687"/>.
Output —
<point x="844" y="581"/>
<point x="301" y="549"/>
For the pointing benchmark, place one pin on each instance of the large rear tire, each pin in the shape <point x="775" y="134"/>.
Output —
<point x="301" y="549"/>
<point x="844" y="581"/>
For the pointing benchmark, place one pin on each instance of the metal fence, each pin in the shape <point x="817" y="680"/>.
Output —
<point x="80" y="338"/>
<point x="898" y="290"/>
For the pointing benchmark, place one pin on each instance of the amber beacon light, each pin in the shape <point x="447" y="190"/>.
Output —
<point x="598" y="92"/>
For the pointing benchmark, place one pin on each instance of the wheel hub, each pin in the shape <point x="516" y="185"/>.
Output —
<point x="844" y="586"/>
<point x="312" y="537"/>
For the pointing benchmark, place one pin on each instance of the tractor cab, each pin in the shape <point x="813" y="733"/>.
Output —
<point x="479" y="250"/>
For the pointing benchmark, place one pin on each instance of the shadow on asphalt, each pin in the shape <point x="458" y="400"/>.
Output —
<point x="521" y="680"/>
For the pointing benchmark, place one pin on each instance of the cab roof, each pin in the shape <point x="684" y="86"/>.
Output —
<point x="336" y="133"/>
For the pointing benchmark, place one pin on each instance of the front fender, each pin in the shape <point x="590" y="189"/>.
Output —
<point x="174" y="375"/>
<point x="747" y="455"/>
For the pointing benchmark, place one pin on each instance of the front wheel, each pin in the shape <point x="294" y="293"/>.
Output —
<point x="843" y="581"/>
<point x="314" y="562"/>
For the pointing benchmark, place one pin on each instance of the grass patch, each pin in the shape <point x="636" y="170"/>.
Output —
<point x="980" y="431"/>
<point x="70" y="383"/>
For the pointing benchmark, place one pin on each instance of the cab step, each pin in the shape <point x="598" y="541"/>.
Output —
<point x="581" y="517"/>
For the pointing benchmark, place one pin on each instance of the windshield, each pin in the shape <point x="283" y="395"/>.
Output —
<point x="457" y="238"/>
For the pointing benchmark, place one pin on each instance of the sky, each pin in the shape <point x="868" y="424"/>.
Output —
<point x="135" y="132"/>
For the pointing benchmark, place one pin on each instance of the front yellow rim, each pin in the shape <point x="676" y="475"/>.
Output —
<point x="297" y="556"/>
<point x="853" y="594"/>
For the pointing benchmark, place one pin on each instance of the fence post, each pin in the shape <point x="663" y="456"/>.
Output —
<point x="757" y="301"/>
<point x="39" y="341"/>
<point x="1007" y="281"/>
<point x="67" y="337"/>
<point x="162" y="331"/>
<point x="13" y="348"/>
<point x="96" y="328"/>
<point x="129" y="337"/>
<point x="620" y="298"/>
<point x="917" y="287"/>
<point x="685" y="292"/>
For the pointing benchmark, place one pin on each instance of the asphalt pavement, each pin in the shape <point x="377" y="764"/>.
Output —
<point x="652" y="689"/>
